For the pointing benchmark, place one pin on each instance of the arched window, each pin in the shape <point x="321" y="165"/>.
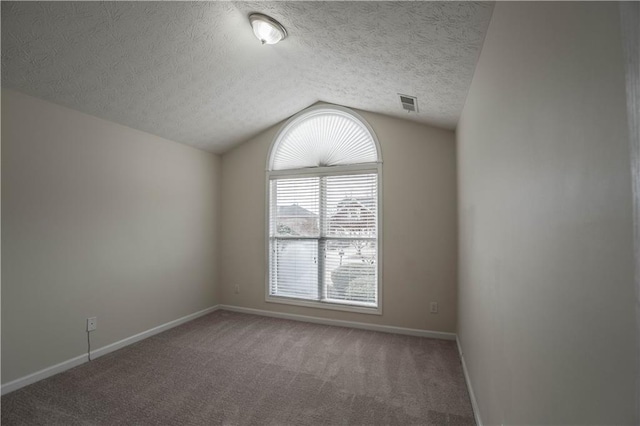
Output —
<point x="323" y="178"/>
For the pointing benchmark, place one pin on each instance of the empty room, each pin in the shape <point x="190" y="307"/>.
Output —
<point x="320" y="213"/>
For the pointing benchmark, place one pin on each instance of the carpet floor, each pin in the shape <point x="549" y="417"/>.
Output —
<point x="238" y="369"/>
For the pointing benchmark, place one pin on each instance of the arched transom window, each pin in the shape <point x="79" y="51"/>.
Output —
<point x="324" y="224"/>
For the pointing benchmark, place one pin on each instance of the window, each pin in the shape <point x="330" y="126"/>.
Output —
<point x="323" y="216"/>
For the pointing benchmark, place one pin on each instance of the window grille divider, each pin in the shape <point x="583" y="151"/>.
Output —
<point x="321" y="243"/>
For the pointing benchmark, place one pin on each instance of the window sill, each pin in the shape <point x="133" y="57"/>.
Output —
<point x="325" y="305"/>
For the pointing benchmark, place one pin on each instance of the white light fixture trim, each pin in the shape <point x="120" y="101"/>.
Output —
<point x="267" y="29"/>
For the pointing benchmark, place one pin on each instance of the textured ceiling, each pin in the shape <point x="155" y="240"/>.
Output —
<point x="194" y="73"/>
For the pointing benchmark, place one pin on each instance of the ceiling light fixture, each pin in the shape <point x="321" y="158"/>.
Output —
<point x="267" y="29"/>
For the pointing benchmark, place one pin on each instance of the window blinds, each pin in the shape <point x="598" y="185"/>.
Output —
<point x="325" y="139"/>
<point x="323" y="238"/>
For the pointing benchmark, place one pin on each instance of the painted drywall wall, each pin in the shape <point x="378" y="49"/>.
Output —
<point x="630" y="23"/>
<point x="98" y="220"/>
<point x="546" y="306"/>
<point x="419" y="226"/>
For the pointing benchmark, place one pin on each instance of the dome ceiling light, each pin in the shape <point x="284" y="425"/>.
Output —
<point x="267" y="29"/>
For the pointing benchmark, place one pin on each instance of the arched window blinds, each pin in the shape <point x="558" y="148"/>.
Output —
<point x="323" y="220"/>
<point x="325" y="137"/>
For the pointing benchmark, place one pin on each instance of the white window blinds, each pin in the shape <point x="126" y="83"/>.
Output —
<point x="323" y="238"/>
<point x="324" y="139"/>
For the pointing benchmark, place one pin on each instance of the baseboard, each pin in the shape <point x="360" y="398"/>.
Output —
<point x="43" y="374"/>
<point x="152" y="331"/>
<point x="342" y="323"/>
<point x="81" y="359"/>
<point x="474" y="402"/>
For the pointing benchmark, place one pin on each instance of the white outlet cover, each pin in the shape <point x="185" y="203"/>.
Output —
<point x="92" y="323"/>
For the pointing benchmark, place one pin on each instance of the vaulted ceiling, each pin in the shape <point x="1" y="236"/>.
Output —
<point x="194" y="73"/>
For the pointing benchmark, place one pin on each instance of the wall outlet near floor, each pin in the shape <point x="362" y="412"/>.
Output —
<point x="433" y="307"/>
<point x="92" y="323"/>
<point x="236" y="289"/>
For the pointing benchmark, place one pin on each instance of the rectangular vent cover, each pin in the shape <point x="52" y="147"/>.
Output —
<point x="409" y="103"/>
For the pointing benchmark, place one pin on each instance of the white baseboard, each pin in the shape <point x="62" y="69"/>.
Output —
<point x="81" y="359"/>
<point x="474" y="402"/>
<point x="43" y="374"/>
<point x="152" y="331"/>
<point x="342" y="323"/>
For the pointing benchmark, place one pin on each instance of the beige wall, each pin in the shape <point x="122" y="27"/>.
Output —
<point x="546" y="310"/>
<point x="97" y="220"/>
<point x="419" y="226"/>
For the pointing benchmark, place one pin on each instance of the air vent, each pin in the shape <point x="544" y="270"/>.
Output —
<point x="409" y="103"/>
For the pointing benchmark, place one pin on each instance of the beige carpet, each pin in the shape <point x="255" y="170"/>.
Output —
<point x="237" y="369"/>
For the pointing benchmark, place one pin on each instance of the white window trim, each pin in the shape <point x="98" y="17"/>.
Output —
<point x="324" y="171"/>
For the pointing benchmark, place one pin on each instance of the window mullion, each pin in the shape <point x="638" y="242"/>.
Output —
<point x="322" y="241"/>
<point x="273" y="243"/>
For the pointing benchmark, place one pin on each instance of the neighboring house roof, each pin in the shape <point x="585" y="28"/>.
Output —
<point x="355" y="214"/>
<point x="368" y="203"/>
<point x="294" y="210"/>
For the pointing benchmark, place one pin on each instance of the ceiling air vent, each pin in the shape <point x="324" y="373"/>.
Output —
<point x="409" y="103"/>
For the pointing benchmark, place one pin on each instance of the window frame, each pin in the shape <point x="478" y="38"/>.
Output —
<point x="339" y="170"/>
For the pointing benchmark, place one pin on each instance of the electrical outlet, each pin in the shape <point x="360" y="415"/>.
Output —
<point x="92" y="323"/>
<point x="236" y="289"/>
<point x="433" y="307"/>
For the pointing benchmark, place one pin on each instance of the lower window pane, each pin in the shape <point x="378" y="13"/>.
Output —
<point x="350" y="271"/>
<point x="294" y="268"/>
